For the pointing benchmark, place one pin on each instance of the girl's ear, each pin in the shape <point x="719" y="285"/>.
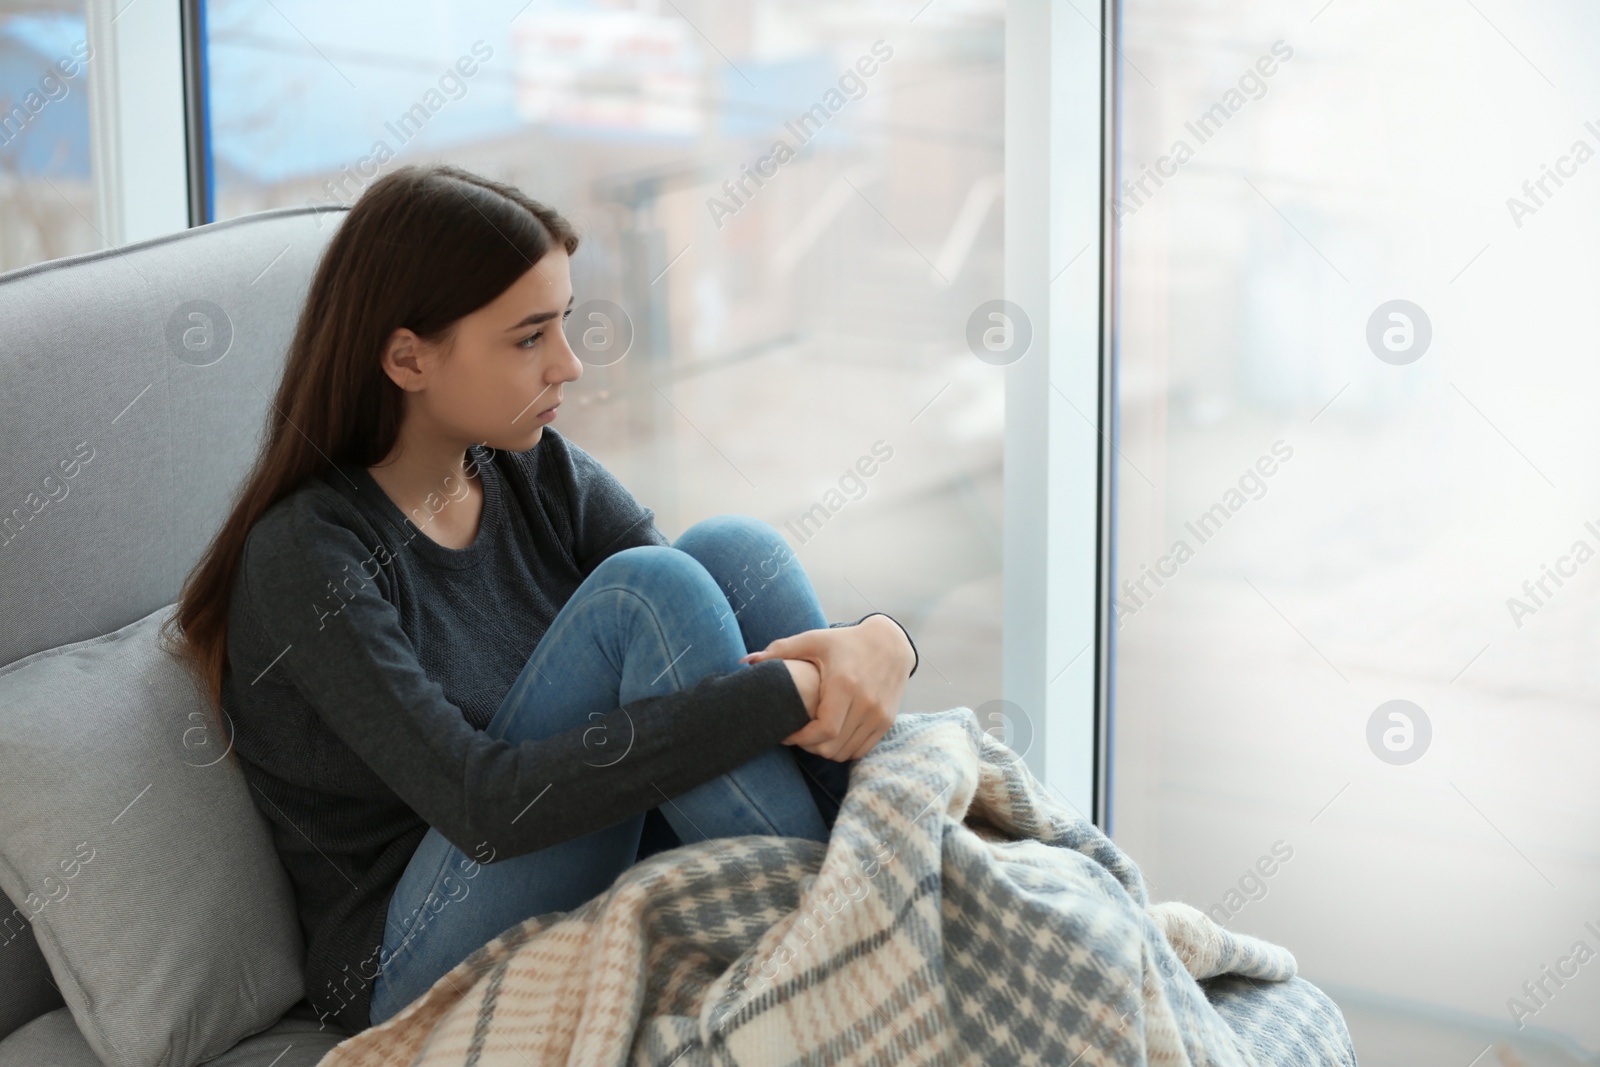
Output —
<point x="404" y="360"/>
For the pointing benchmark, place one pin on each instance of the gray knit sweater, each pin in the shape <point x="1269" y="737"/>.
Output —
<point x="365" y="660"/>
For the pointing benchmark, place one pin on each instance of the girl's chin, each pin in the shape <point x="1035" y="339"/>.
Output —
<point x="516" y="444"/>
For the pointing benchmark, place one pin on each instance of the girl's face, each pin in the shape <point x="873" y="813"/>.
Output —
<point x="501" y="379"/>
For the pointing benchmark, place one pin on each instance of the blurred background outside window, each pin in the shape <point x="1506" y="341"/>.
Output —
<point x="1291" y="171"/>
<point x="791" y="316"/>
<point x="47" y="194"/>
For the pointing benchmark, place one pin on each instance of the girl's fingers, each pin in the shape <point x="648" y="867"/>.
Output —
<point x="863" y="739"/>
<point x="782" y="648"/>
<point x="830" y="732"/>
<point x="856" y="733"/>
<point x="808" y="736"/>
<point x="858" y="743"/>
<point x="821" y="732"/>
<point x="813" y="645"/>
<point x="855" y="743"/>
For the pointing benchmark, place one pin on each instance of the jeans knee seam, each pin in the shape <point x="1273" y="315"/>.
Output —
<point x="655" y="620"/>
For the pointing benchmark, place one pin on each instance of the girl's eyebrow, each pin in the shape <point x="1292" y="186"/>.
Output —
<point x="534" y="320"/>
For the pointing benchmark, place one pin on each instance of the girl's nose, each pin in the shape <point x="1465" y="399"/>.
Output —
<point x="568" y="366"/>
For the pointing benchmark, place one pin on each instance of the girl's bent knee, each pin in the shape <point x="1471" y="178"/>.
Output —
<point x="744" y="538"/>
<point x="661" y="578"/>
<point x="663" y="592"/>
<point x="655" y="570"/>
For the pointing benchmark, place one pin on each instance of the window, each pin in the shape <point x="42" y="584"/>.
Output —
<point x="796" y="206"/>
<point x="1356" y="407"/>
<point x="92" y="127"/>
<point x="47" y="197"/>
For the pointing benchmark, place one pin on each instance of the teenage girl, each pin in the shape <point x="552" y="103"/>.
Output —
<point x="462" y="668"/>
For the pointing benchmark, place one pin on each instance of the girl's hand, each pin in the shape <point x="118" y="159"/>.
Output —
<point x="863" y="672"/>
<point x="808" y="680"/>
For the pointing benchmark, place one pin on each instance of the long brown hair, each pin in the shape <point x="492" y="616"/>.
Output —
<point x="424" y="246"/>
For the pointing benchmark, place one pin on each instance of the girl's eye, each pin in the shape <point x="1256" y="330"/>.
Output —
<point x="533" y="339"/>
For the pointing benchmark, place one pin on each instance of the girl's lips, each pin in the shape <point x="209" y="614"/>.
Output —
<point x="547" y="415"/>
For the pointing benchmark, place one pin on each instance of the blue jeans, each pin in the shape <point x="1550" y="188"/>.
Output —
<point x="649" y="620"/>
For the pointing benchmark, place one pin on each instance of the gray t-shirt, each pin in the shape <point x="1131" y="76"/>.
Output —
<point x="366" y="659"/>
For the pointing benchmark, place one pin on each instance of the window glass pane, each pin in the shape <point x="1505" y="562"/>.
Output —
<point x="1358" y="381"/>
<point x="47" y="196"/>
<point x="798" y="313"/>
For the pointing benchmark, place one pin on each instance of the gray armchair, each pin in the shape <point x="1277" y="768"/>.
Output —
<point x="133" y="387"/>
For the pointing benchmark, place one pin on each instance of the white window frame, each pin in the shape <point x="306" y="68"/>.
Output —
<point x="1059" y="423"/>
<point x="137" y="118"/>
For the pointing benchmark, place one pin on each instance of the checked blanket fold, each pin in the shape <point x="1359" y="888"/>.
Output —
<point x="958" y="915"/>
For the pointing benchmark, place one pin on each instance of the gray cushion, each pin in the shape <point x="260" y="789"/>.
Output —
<point x="132" y="842"/>
<point x="26" y="989"/>
<point x="54" y="1041"/>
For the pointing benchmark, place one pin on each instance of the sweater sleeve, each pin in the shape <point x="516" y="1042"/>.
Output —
<point x="344" y="650"/>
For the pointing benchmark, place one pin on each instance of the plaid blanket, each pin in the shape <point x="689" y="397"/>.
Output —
<point x="958" y="915"/>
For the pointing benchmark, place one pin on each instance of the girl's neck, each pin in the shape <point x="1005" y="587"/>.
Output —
<point x="430" y="482"/>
